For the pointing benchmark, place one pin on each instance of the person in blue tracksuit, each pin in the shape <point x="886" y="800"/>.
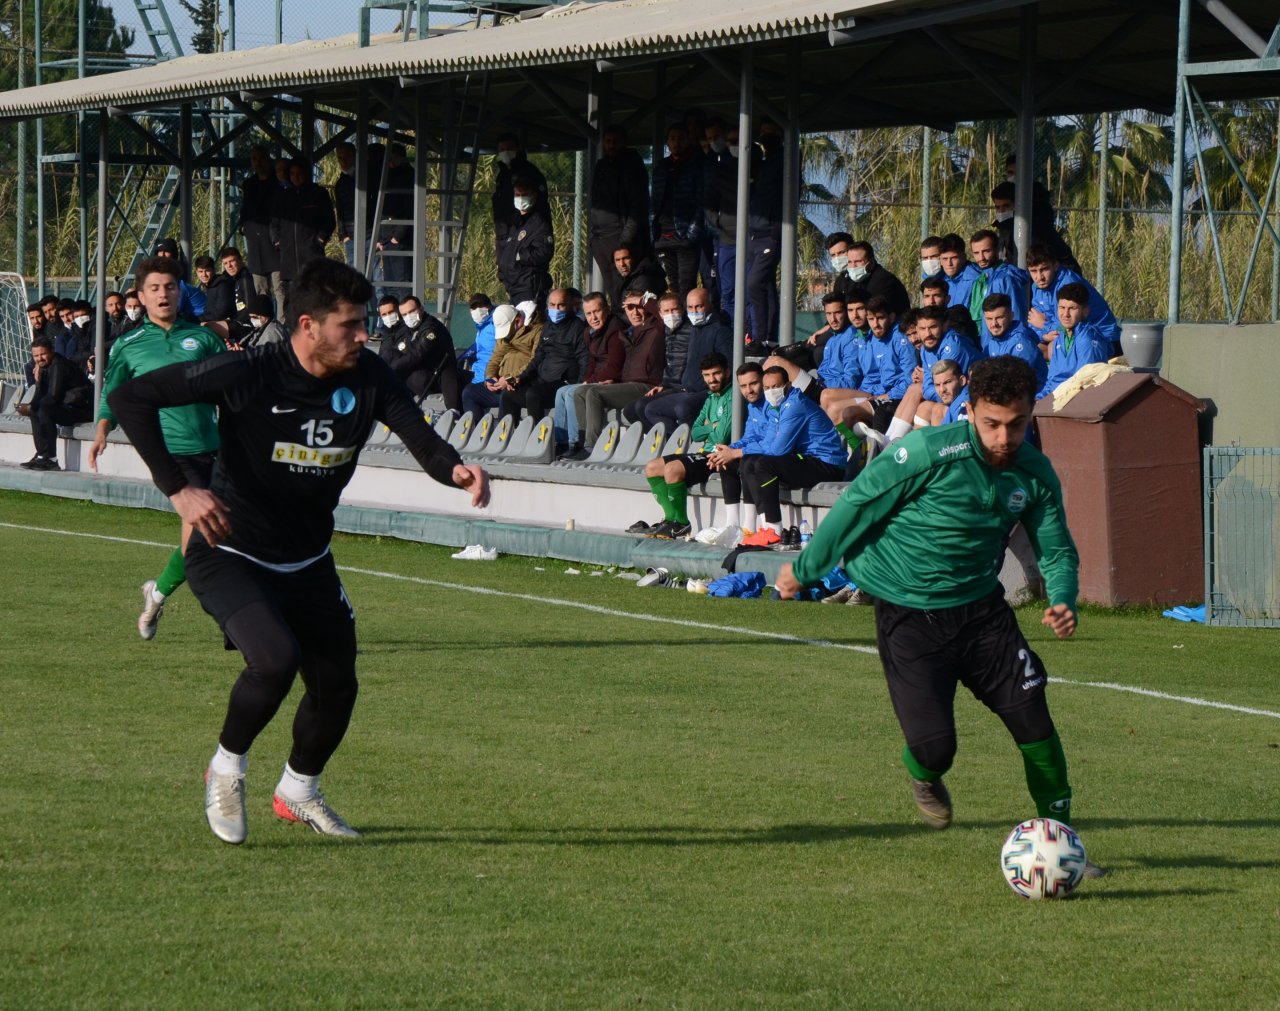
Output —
<point x="888" y="360"/>
<point x="1006" y="336"/>
<point x="804" y="451"/>
<point x="957" y="271"/>
<point x="482" y="350"/>
<point x="1078" y="343"/>
<point x="1049" y="278"/>
<point x="997" y="278"/>
<point x="839" y="369"/>
<point x="936" y="346"/>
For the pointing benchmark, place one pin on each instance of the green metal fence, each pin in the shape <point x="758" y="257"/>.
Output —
<point x="1242" y="536"/>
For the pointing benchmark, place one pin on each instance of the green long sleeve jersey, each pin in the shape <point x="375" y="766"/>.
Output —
<point x="187" y="430"/>
<point x="925" y="525"/>
<point x="714" y="423"/>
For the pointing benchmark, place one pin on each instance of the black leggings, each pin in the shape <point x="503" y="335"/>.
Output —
<point x="282" y="624"/>
<point x="762" y="477"/>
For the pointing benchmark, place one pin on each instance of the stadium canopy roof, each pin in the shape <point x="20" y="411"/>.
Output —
<point x="847" y="63"/>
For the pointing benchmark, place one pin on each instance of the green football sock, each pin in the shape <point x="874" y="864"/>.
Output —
<point x="1046" y="766"/>
<point x="659" y="487"/>
<point x="174" y="574"/>
<point x="679" y="496"/>
<point x="917" y="770"/>
<point x="850" y="436"/>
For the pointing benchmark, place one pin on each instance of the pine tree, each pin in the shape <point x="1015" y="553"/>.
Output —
<point x="204" y="15"/>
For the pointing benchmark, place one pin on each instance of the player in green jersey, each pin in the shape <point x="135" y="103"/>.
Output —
<point x="191" y="432"/>
<point x="923" y="529"/>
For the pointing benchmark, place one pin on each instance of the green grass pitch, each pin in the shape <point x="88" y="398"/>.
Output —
<point x="574" y="807"/>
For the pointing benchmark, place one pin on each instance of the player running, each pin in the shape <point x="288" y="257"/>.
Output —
<point x="293" y="418"/>
<point x="191" y="433"/>
<point x="923" y="529"/>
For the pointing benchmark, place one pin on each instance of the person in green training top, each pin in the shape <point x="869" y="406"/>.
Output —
<point x="669" y="476"/>
<point x="923" y="530"/>
<point x="191" y="432"/>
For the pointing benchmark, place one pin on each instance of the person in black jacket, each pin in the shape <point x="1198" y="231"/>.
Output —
<point x="764" y="232"/>
<point x="227" y="298"/>
<point x="633" y="270"/>
<point x="560" y="360"/>
<point x="514" y="164"/>
<point x="619" y="201"/>
<point x="525" y="252"/>
<point x="257" y="198"/>
<point x="63" y="396"/>
<point x="420" y="351"/>
<point x="301" y="221"/>
<point x="344" y="199"/>
<point x="395" y="236"/>
<point x="678" y="215"/>
<point x="720" y="206"/>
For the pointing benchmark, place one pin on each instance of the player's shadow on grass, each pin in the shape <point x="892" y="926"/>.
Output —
<point x="470" y="646"/>
<point x="1128" y="894"/>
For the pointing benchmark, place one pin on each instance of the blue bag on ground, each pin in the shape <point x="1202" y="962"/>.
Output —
<point x="1181" y="613"/>
<point x="737" y="584"/>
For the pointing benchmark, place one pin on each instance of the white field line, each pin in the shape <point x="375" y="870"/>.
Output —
<point x="613" y="613"/>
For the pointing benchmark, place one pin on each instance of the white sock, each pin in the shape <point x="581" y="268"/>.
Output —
<point x="157" y="596"/>
<point x="775" y="527"/>
<point x="898" y="427"/>
<point x="749" y="518"/>
<point x="296" y="786"/>
<point x="732" y="514"/>
<point x="224" y="763"/>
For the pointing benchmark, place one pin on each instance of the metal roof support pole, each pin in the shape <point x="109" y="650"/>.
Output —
<point x="659" y="114"/>
<point x="1104" y="156"/>
<point x="100" y="314"/>
<point x="1275" y="248"/>
<point x="40" y="236"/>
<point x="82" y="184"/>
<point x="419" y="240"/>
<point x="184" y="182"/>
<point x="790" y="208"/>
<point x="926" y="180"/>
<point x="597" y="117"/>
<point x="308" y="139"/>
<point x="1026" y="134"/>
<point x="1178" y="180"/>
<point x="740" y="237"/>
<point x="360" y="229"/>
<point x="579" y="160"/>
<point x="20" y="236"/>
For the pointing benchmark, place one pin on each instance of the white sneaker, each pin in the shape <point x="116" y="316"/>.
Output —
<point x="152" y="610"/>
<point x="224" y="806"/>
<point x="865" y="431"/>
<point x="696" y="586"/>
<point x="476" y="553"/>
<point x="316" y="813"/>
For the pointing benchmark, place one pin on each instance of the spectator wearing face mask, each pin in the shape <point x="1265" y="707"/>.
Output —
<point x="525" y="253"/>
<point x="515" y="342"/>
<point x="132" y="313"/>
<point x="477" y="356"/>
<point x="423" y="356"/>
<point x="264" y="328"/>
<point x="513" y="164"/>
<point x="76" y="342"/>
<point x="560" y="360"/>
<point x="389" y="327"/>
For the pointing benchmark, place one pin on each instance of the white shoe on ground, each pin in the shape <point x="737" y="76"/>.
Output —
<point x="224" y="806"/>
<point x="152" y="610"/>
<point x="315" y="813"/>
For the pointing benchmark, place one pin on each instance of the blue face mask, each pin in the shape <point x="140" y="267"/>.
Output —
<point x="556" y="315"/>
<point x="697" y="318"/>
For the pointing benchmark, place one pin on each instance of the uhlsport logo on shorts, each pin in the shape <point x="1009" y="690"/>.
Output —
<point x="189" y="344"/>
<point x="343" y="401"/>
<point x="901" y="455"/>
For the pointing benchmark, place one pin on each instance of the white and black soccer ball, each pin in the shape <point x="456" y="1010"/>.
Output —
<point x="1043" y="859"/>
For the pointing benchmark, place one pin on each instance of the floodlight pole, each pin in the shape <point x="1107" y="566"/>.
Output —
<point x="360" y="228"/>
<point x="82" y="163"/>
<point x="1104" y="156"/>
<point x="740" y="236"/>
<point x="100" y="313"/>
<point x="790" y="207"/>
<point x="1179" y="163"/>
<point x="418" y="276"/>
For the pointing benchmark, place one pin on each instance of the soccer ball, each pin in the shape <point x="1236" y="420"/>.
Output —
<point x="1043" y="859"/>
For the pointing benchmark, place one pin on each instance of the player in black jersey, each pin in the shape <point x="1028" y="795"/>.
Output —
<point x="293" y="418"/>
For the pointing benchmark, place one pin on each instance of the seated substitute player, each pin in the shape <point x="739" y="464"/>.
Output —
<point x="887" y="362"/>
<point x="726" y="458"/>
<point x="1004" y="335"/>
<point x="1048" y="279"/>
<point x="1079" y="343"/>
<point x="958" y="272"/>
<point x="995" y="278"/>
<point x="293" y="418"/>
<point x="942" y="620"/>
<point x="669" y="477"/>
<point x="934" y="292"/>
<point x="805" y="450"/>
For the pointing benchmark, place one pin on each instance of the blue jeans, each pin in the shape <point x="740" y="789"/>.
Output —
<point x="564" y="418"/>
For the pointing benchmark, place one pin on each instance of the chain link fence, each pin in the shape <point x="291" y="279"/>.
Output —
<point x="1242" y="536"/>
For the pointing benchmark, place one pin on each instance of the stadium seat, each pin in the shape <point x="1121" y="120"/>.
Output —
<point x="480" y="433"/>
<point x="540" y="447"/>
<point x="461" y="431"/>
<point x="602" y="451"/>
<point x="379" y="434"/>
<point x="501" y="436"/>
<point x="677" y="442"/>
<point x="651" y="445"/>
<point x="629" y="444"/>
<point x="519" y="438"/>
<point x="444" y="424"/>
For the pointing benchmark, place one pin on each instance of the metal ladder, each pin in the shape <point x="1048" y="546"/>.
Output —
<point x="164" y="41"/>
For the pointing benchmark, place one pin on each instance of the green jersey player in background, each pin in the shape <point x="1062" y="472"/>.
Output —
<point x="923" y="529"/>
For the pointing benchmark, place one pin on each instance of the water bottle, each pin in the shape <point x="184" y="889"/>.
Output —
<point x="806" y="533"/>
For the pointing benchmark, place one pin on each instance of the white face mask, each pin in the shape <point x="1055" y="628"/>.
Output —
<point x="857" y="273"/>
<point x="1004" y="216"/>
<point x="390" y="319"/>
<point x="133" y="314"/>
<point x="930" y="266"/>
<point x="506" y="157"/>
<point x="697" y="318"/>
<point x="734" y="149"/>
<point x="671" y="320"/>
<point x="258" y="322"/>
<point x="412" y="319"/>
<point x="478" y="316"/>
<point x="81" y="320"/>
<point x="719" y="145"/>
<point x="838" y="263"/>
<point x="523" y="204"/>
<point x="1012" y="177"/>
<point x="775" y="396"/>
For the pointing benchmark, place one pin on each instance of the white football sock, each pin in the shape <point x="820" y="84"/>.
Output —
<point x="296" y="786"/>
<point x="749" y="517"/>
<point x="732" y="514"/>
<point x="775" y="527"/>
<point x="921" y="422"/>
<point x="898" y="427"/>
<point x="224" y="763"/>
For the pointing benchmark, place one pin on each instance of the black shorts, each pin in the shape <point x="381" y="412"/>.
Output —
<point x="979" y="645"/>
<point x="197" y="468"/>
<point x="311" y="601"/>
<point x="696" y="468"/>
<point x="882" y="412"/>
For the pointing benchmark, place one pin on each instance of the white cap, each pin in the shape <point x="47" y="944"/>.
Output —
<point x="527" y="309"/>
<point x="503" y="316"/>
